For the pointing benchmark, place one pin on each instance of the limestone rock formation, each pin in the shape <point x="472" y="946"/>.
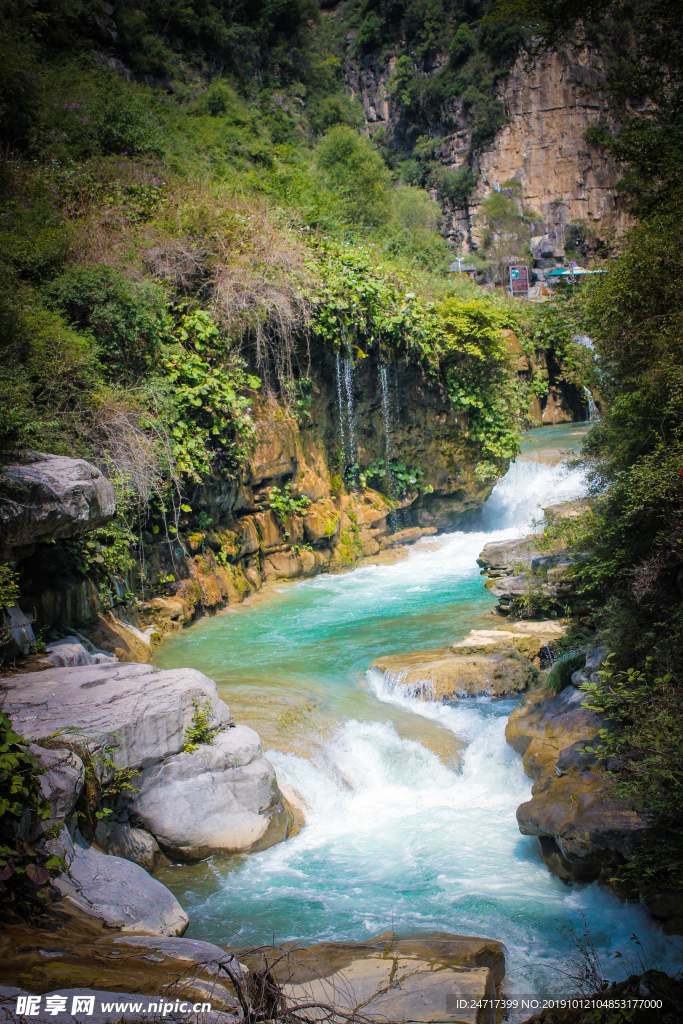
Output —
<point x="498" y="668"/>
<point x="220" y="797"/>
<point x="71" y="652"/>
<point x="117" y="892"/>
<point x="522" y="578"/>
<point x="584" y="831"/>
<point x="543" y="147"/>
<point x="51" y="496"/>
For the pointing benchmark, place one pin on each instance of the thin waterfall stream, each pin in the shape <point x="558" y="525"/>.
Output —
<point x="409" y="804"/>
<point x="342" y="437"/>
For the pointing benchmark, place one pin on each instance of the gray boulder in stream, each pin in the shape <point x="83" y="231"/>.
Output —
<point x="232" y="783"/>
<point x="118" y="893"/>
<point x="220" y="797"/>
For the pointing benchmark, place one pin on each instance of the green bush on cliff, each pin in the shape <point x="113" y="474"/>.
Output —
<point x="479" y="378"/>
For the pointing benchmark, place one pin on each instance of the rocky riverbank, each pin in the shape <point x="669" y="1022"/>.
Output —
<point x="426" y="977"/>
<point x="141" y="768"/>
<point x="585" y="831"/>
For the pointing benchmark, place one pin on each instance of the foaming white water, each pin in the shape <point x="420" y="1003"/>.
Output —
<point x="401" y="839"/>
<point x="393" y="837"/>
<point x="528" y="487"/>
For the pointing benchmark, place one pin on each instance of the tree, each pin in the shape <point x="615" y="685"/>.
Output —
<point x="356" y="175"/>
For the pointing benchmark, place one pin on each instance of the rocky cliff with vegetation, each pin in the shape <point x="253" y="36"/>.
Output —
<point x="231" y="353"/>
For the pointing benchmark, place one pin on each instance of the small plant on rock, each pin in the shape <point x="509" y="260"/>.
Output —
<point x="199" y="731"/>
<point x="284" y="503"/>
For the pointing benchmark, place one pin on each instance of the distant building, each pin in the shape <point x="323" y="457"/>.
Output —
<point x="462" y="268"/>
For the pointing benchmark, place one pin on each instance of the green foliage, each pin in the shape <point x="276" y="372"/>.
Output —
<point x="356" y="175"/>
<point x="210" y="412"/>
<point x="560" y="674"/>
<point x="199" y="731"/>
<point x="19" y="775"/>
<point x="363" y="304"/>
<point x="642" y="754"/>
<point x="9" y="586"/>
<point x="327" y="111"/>
<point x="128" y="321"/>
<point x="553" y="326"/>
<point x="24" y="870"/>
<point x="284" y="503"/>
<point x="478" y="377"/>
<point x="394" y="478"/>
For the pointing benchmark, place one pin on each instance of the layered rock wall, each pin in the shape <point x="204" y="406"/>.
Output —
<point x="549" y="106"/>
<point x="564" y="180"/>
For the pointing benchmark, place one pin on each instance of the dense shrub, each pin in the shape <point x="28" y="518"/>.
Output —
<point x="128" y="321"/>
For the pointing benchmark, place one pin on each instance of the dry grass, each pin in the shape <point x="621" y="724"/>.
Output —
<point x="231" y="253"/>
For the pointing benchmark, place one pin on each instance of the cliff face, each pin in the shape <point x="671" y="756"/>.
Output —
<point x="544" y="148"/>
<point x="563" y="180"/>
<point x="364" y="414"/>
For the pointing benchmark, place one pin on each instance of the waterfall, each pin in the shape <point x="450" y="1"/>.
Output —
<point x="593" y="413"/>
<point x="386" y="412"/>
<point x="342" y="437"/>
<point x="348" y="387"/>
<point x="386" y="420"/>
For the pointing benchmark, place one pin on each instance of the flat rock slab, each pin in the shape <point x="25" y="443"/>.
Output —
<point x="447" y="675"/>
<point x="139" y="712"/>
<point x="437" y="977"/>
<point x="402" y="989"/>
<point x="120" y="894"/>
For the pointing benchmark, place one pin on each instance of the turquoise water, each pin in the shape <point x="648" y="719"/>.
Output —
<point x="410" y="805"/>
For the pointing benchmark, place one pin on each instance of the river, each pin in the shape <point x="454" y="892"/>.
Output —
<point x="410" y="805"/>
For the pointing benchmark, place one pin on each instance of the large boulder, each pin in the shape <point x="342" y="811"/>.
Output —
<point x="51" y="496"/>
<point x="117" y="892"/>
<point x="504" y="557"/>
<point x="137" y="713"/>
<point x="222" y="798"/>
<point x="584" y="830"/>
